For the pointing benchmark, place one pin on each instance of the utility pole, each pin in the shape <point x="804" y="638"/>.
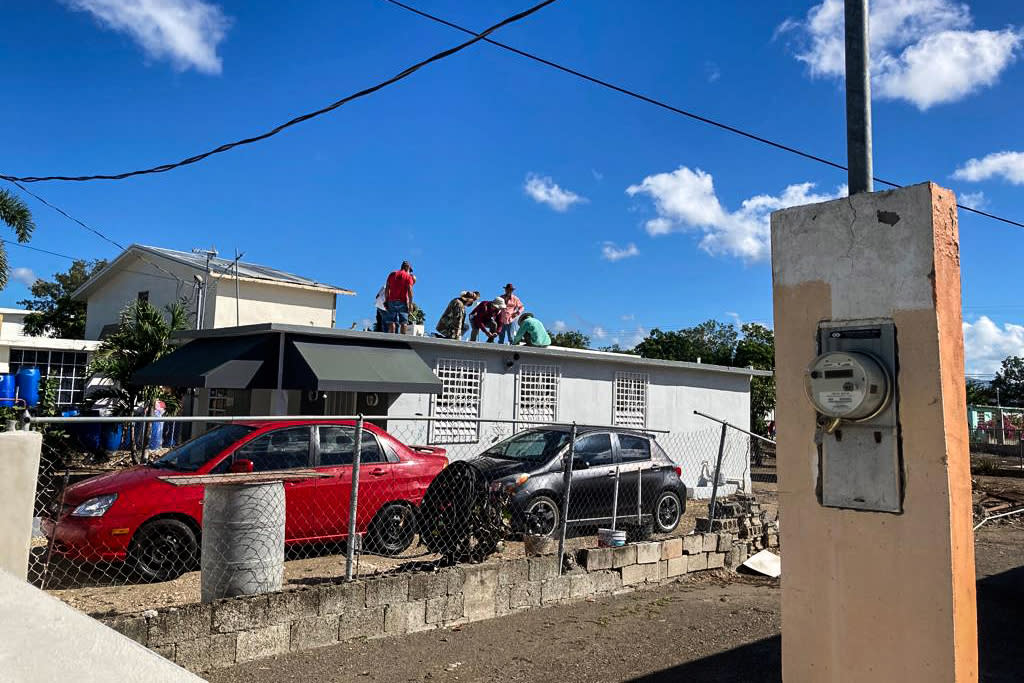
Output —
<point x="238" y="255"/>
<point x="858" y="97"/>
<point x="204" y="284"/>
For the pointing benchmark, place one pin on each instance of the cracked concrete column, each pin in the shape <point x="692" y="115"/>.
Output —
<point x="19" y="468"/>
<point x="873" y="596"/>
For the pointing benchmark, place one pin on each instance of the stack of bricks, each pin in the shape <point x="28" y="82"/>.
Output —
<point x="742" y="516"/>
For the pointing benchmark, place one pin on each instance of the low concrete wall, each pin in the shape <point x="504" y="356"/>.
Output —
<point x="203" y="637"/>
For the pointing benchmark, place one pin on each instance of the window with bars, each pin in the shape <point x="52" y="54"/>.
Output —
<point x="459" y="397"/>
<point x="630" y="406"/>
<point x="537" y="394"/>
<point x="65" y="368"/>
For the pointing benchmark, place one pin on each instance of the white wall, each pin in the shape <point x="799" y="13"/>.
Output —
<point x="266" y="303"/>
<point x="13" y="323"/>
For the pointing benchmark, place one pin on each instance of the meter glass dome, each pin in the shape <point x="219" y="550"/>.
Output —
<point x="847" y="385"/>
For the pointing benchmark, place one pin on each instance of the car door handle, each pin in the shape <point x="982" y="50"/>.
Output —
<point x="377" y="473"/>
<point x="610" y="474"/>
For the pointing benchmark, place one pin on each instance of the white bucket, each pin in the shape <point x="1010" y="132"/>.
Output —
<point x="610" y="538"/>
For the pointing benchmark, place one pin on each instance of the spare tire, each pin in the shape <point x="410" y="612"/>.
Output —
<point x="461" y="519"/>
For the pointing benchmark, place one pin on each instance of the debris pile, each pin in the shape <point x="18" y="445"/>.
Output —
<point x="742" y="516"/>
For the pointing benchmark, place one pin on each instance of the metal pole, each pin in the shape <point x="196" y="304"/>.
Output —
<point x="567" y="478"/>
<point x="639" y="498"/>
<point x="714" y="484"/>
<point x="615" y="499"/>
<point x="237" y="316"/>
<point x="353" y="503"/>
<point x="858" y="97"/>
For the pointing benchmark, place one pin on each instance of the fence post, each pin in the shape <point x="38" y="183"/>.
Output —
<point x="567" y="478"/>
<point x="615" y="499"/>
<point x="353" y="504"/>
<point x="714" y="484"/>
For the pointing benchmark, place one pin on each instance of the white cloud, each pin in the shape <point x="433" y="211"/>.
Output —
<point x="559" y="326"/>
<point x="986" y="344"/>
<point x="974" y="200"/>
<point x="628" y="316"/>
<point x="184" y="32"/>
<point x="545" y="191"/>
<point x="1007" y="165"/>
<point x="599" y="332"/>
<point x="25" y="276"/>
<point x="685" y="201"/>
<point x="612" y="252"/>
<point x="922" y="51"/>
<point x="630" y="339"/>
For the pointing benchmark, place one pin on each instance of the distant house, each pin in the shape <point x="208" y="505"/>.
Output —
<point x="215" y="296"/>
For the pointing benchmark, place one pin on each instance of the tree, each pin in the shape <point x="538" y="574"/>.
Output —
<point x="16" y="215"/>
<point x="757" y="350"/>
<point x="1009" y="382"/>
<point x="711" y="342"/>
<point x="142" y="337"/>
<point x="571" y="339"/>
<point x="980" y="393"/>
<point x="54" y="312"/>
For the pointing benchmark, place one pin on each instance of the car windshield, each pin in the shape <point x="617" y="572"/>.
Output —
<point x="532" y="446"/>
<point x="191" y="455"/>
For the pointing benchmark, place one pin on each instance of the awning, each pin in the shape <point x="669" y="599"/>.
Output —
<point x="365" y="368"/>
<point x="219" y="363"/>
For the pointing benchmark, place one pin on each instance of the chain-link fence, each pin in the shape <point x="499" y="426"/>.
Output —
<point x="111" y="535"/>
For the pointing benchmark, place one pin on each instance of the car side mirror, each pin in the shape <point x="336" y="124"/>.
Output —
<point x="241" y="467"/>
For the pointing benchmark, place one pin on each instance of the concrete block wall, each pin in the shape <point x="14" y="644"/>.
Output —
<point x="202" y="637"/>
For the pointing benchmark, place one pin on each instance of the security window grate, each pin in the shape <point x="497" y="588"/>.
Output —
<point x="630" y="407"/>
<point x="537" y="394"/>
<point x="459" y="397"/>
<point x="65" y="368"/>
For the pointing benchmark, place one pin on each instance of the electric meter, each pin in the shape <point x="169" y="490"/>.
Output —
<point x="847" y="385"/>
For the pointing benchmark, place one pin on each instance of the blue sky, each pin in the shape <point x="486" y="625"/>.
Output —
<point x="610" y="215"/>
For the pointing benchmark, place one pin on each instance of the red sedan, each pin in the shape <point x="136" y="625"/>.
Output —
<point x="133" y="516"/>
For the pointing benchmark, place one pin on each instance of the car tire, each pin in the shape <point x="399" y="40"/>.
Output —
<point x="392" y="530"/>
<point x="667" y="512"/>
<point x="163" y="550"/>
<point x="548" y="515"/>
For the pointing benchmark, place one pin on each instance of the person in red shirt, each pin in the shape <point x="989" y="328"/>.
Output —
<point x="398" y="298"/>
<point x="487" y="317"/>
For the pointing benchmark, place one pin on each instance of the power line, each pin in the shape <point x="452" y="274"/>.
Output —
<point x="79" y="258"/>
<point x="664" y="105"/>
<point x="163" y="168"/>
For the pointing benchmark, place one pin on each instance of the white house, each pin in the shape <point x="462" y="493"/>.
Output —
<point x="218" y="294"/>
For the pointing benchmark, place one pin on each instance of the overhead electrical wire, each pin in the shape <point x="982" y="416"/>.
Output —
<point x="664" y="105"/>
<point x="163" y="168"/>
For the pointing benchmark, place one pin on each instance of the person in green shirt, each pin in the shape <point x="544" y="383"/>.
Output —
<point x="531" y="331"/>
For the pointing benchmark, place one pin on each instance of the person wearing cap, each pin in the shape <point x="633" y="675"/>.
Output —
<point x="487" y="317"/>
<point x="509" y="316"/>
<point x="398" y="298"/>
<point x="532" y="332"/>
<point x="453" y="320"/>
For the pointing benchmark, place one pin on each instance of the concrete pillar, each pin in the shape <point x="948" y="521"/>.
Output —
<point x="19" y="469"/>
<point x="872" y="596"/>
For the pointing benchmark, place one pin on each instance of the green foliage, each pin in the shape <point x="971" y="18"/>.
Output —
<point x="416" y="315"/>
<point x="14" y="212"/>
<point x="571" y="339"/>
<point x="980" y="393"/>
<point x="54" y="312"/>
<point x="1009" y="381"/>
<point x="615" y="348"/>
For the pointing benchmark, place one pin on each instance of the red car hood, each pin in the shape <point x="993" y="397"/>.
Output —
<point x="114" y="482"/>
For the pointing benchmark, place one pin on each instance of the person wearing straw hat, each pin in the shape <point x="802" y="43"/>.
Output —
<point x="453" y="320"/>
<point x="509" y="316"/>
<point x="487" y="317"/>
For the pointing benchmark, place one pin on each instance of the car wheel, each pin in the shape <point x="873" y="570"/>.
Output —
<point x="668" y="510"/>
<point x="542" y="516"/>
<point x="163" y="549"/>
<point x="392" y="530"/>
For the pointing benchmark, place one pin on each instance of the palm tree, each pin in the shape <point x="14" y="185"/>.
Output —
<point x="142" y="337"/>
<point x="14" y="212"/>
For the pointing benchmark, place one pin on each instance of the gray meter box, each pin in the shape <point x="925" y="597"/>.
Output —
<point x="861" y="459"/>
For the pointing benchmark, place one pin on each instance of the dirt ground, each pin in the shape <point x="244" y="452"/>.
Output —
<point x="710" y="627"/>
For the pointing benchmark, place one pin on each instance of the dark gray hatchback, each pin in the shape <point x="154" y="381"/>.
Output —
<point x="528" y="466"/>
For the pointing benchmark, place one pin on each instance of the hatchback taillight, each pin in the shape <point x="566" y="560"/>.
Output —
<point x="679" y="472"/>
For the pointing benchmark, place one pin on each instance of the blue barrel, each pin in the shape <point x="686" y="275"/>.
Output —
<point x="110" y="436"/>
<point x="27" y="382"/>
<point x="6" y="390"/>
<point x="156" y="436"/>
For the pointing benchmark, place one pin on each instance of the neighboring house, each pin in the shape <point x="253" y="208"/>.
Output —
<point x="291" y="370"/>
<point x="64" y="360"/>
<point x="215" y="296"/>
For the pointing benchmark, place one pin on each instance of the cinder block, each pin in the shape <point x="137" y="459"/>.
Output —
<point x="502" y="599"/>
<point x="693" y="544"/>
<point x="204" y="654"/>
<point x="263" y="642"/>
<point x="223" y="649"/>
<point x="444" y="609"/>
<point x="342" y="598"/>
<point x="427" y="585"/>
<point x="180" y="623"/>
<point x="662" y="570"/>
<point x="456" y="579"/>
<point x="724" y="542"/>
<point x="455" y="609"/>
<point x="710" y="544"/>
<point x="165" y="651"/>
<point x="716" y="560"/>
<point x="543" y="568"/>
<point x="773" y="540"/>
<point x="555" y="590"/>
<point x="596" y="559"/>
<point x="311" y="632"/>
<point x="606" y="582"/>
<point x="671" y="548"/>
<point x="134" y="627"/>
<point x="288" y="606"/>
<point x="479" y="590"/>
<point x="513" y="572"/>
<point x="581" y="585"/>
<point x="698" y="562"/>
<point x="640" y="573"/>
<point x="405" y="617"/>
<point x="387" y="590"/>
<point x="525" y="595"/>
<point x="648" y="553"/>
<point x="626" y="555"/>
<point x="678" y="566"/>
<point x="241" y="614"/>
<point x="364" y="623"/>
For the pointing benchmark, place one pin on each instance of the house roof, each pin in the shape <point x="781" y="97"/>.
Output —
<point x="219" y="267"/>
<point x="527" y="351"/>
